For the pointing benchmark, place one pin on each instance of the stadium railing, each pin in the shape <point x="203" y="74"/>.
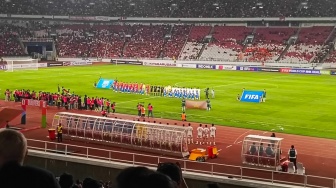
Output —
<point x="213" y="169"/>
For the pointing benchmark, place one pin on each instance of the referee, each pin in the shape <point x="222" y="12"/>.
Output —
<point x="292" y="155"/>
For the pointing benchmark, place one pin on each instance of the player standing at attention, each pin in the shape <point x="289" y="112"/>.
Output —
<point x="206" y="134"/>
<point x="213" y="93"/>
<point x="212" y="134"/>
<point x="264" y="96"/>
<point x="238" y="97"/>
<point x="199" y="134"/>
<point x="190" y="134"/>
<point x="208" y="104"/>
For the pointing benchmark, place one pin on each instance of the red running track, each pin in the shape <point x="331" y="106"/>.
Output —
<point x="318" y="155"/>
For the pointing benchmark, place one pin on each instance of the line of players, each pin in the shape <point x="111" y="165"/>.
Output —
<point x="124" y="87"/>
<point x="204" y="134"/>
<point x="177" y="92"/>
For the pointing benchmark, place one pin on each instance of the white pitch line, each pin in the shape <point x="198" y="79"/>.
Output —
<point x="239" y="142"/>
<point x="265" y="132"/>
<point x="241" y="136"/>
<point x="228" y="146"/>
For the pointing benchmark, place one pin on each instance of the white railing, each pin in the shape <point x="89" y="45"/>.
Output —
<point x="213" y="169"/>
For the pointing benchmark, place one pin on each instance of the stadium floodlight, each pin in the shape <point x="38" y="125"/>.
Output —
<point x="21" y="64"/>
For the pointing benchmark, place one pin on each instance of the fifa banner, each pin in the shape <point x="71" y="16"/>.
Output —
<point x="239" y="68"/>
<point x="104" y="84"/>
<point x="199" y="66"/>
<point x="252" y="96"/>
<point x="190" y="104"/>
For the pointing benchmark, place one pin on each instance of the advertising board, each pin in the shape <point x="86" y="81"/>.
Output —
<point x="55" y="64"/>
<point x="326" y="72"/>
<point x="239" y="68"/>
<point x="129" y="62"/>
<point x="187" y="65"/>
<point x="304" y="71"/>
<point x="226" y="67"/>
<point x="42" y="65"/>
<point x="160" y="64"/>
<point x="285" y="70"/>
<point x="269" y="69"/>
<point x="332" y="72"/>
<point x="201" y="66"/>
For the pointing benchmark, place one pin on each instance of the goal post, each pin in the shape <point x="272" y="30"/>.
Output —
<point x="20" y="64"/>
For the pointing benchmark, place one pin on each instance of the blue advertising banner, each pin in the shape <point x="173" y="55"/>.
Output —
<point x="198" y="66"/>
<point x="248" y="68"/>
<point x="304" y="71"/>
<point x="252" y="96"/>
<point x="332" y="72"/>
<point x="104" y="84"/>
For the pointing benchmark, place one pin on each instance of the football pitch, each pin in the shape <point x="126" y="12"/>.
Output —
<point x="298" y="104"/>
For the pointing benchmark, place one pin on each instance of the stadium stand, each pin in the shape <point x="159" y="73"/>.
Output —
<point x="173" y="8"/>
<point x="9" y="40"/>
<point x="146" y="41"/>
<point x="309" y="43"/>
<point x="268" y="44"/>
<point x="195" y="42"/>
<point x="175" y="44"/>
<point x="227" y="43"/>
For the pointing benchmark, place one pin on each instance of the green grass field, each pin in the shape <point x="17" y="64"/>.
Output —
<point x="301" y="104"/>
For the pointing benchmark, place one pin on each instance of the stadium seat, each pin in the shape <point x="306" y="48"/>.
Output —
<point x="291" y="168"/>
<point x="300" y="169"/>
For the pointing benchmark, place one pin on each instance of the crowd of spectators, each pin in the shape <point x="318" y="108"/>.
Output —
<point x="268" y="44"/>
<point x="186" y="42"/>
<point x="9" y="43"/>
<point x="87" y="41"/>
<point x="173" y="8"/>
<point x="309" y="43"/>
<point x="146" y="41"/>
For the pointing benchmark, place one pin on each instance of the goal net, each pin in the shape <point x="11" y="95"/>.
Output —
<point x="20" y="64"/>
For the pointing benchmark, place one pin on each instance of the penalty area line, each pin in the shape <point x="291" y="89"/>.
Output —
<point x="228" y="146"/>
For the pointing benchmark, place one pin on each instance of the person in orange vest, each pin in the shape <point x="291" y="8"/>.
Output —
<point x="139" y="109"/>
<point x="143" y="111"/>
<point x="184" y="116"/>
<point x="150" y="110"/>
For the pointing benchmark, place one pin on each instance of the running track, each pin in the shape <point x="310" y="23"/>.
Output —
<point x="317" y="155"/>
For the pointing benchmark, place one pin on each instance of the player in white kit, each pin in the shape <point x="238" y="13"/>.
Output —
<point x="212" y="134"/>
<point x="206" y="134"/>
<point x="199" y="134"/>
<point x="190" y="134"/>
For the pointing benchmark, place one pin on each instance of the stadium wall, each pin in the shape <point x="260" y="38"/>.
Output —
<point x="172" y="63"/>
<point x="83" y="167"/>
<point x="234" y="66"/>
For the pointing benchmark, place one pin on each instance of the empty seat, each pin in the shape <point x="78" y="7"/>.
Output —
<point x="291" y="168"/>
<point x="300" y="169"/>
